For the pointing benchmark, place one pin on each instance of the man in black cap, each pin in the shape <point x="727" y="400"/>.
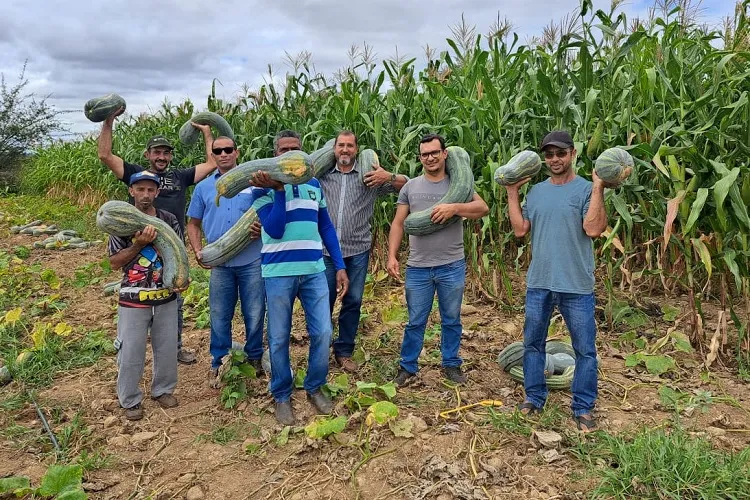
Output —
<point x="563" y="213"/>
<point x="173" y="186"/>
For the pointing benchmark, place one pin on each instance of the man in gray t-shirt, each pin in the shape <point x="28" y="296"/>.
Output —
<point x="563" y="214"/>
<point x="436" y="261"/>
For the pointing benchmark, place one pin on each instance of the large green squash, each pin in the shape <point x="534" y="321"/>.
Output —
<point x="99" y="109"/>
<point x="120" y="218"/>
<point x="293" y="167"/>
<point x="323" y="159"/>
<point x="231" y="243"/>
<point x="366" y="162"/>
<point x="524" y="164"/>
<point x="458" y="168"/>
<point x="189" y="134"/>
<point x="611" y="163"/>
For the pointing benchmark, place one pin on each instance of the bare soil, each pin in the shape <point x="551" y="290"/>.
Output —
<point x="172" y="452"/>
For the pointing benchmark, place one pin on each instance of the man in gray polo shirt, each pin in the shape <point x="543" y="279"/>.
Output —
<point x="350" y="205"/>
<point x="436" y="261"/>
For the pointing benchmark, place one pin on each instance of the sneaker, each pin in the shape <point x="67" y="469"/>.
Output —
<point x="454" y="374"/>
<point x="402" y="377"/>
<point x="166" y="401"/>
<point x="134" y="412"/>
<point x="284" y="413"/>
<point x="346" y="364"/>
<point x="321" y="402"/>
<point x="185" y="357"/>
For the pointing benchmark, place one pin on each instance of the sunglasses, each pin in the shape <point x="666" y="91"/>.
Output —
<point x="560" y="153"/>
<point x="228" y="150"/>
<point x="430" y="154"/>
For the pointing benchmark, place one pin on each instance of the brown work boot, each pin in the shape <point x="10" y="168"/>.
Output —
<point x="134" y="412"/>
<point x="185" y="357"/>
<point x="347" y="364"/>
<point x="166" y="401"/>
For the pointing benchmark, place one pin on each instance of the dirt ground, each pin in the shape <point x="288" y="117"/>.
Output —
<point x="199" y="449"/>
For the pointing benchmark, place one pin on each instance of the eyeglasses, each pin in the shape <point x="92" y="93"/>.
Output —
<point x="228" y="150"/>
<point x="430" y="154"/>
<point x="560" y="153"/>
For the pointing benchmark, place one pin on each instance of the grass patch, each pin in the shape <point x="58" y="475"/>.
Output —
<point x="224" y="434"/>
<point x="659" y="464"/>
<point x="516" y="423"/>
<point x="21" y="209"/>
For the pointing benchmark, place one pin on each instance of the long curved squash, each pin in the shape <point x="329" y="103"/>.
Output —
<point x="458" y="168"/>
<point x="293" y="167"/>
<point x="231" y="243"/>
<point x="189" y="134"/>
<point x="120" y="218"/>
<point x="366" y="162"/>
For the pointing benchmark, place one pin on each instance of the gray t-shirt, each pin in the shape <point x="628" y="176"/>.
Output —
<point x="445" y="245"/>
<point x="562" y="256"/>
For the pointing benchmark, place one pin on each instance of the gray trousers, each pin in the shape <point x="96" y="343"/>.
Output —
<point x="180" y="321"/>
<point x="132" y="334"/>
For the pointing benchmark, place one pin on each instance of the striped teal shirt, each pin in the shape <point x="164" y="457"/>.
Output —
<point x="299" y="249"/>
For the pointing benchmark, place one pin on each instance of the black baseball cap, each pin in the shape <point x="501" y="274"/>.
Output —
<point x="559" y="138"/>
<point x="159" y="140"/>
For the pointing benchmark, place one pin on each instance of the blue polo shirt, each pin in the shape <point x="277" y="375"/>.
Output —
<point x="218" y="220"/>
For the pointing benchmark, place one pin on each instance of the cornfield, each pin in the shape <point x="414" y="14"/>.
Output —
<point x="675" y="94"/>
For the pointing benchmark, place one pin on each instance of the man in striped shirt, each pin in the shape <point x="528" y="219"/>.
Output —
<point x="295" y="225"/>
<point x="351" y="203"/>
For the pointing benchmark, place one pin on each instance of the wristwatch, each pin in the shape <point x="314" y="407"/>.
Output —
<point x="393" y="177"/>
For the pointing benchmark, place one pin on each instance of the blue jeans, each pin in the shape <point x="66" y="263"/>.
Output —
<point x="421" y="283"/>
<point x="225" y="286"/>
<point x="578" y="312"/>
<point x="351" y="304"/>
<point x="312" y="290"/>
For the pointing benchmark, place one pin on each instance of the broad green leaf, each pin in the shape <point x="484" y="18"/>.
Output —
<point x="389" y="389"/>
<point x="721" y="190"/>
<point x="633" y="359"/>
<point x="729" y="260"/>
<point x="72" y="495"/>
<point x="658" y="364"/>
<point x="49" y="277"/>
<point x="669" y="313"/>
<point x="247" y="370"/>
<point x="39" y="334"/>
<point x="13" y="483"/>
<point x="283" y="437"/>
<point x="401" y="428"/>
<point x="299" y="378"/>
<point x="61" y="478"/>
<point x="366" y="386"/>
<point x="622" y="209"/>
<point x="681" y="342"/>
<point x="669" y="397"/>
<point x="381" y="412"/>
<point x="324" y="427"/>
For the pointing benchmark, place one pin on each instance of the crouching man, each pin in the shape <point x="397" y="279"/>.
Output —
<point x="144" y="304"/>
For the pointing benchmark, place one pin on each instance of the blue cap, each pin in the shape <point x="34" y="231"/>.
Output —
<point x="144" y="175"/>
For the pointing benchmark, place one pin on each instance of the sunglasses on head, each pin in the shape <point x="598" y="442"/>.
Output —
<point x="560" y="153"/>
<point x="228" y="150"/>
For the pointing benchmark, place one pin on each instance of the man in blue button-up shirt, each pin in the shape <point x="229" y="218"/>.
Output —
<point x="239" y="276"/>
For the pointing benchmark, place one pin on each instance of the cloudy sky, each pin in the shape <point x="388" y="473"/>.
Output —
<point x="152" y="50"/>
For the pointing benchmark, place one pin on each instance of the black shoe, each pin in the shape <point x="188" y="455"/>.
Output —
<point x="284" y="413"/>
<point x="321" y="402"/>
<point x="256" y="363"/>
<point x="402" y="377"/>
<point x="454" y="374"/>
<point x="134" y="412"/>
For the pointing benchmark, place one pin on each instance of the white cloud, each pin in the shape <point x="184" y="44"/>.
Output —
<point x="149" y="50"/>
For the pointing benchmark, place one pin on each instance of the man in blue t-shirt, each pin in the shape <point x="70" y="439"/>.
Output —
<point x="240" y="276"/>
<point x="563" y="214"/>
<point x="173" y="185"/>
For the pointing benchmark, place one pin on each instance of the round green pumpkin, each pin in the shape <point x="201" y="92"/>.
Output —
<point x="611" y="163"/>
<point x="99" y="109"/>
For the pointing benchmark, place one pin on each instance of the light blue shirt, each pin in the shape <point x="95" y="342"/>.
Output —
<point x="562" y="256"/>
<point x="218" y="220"/>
